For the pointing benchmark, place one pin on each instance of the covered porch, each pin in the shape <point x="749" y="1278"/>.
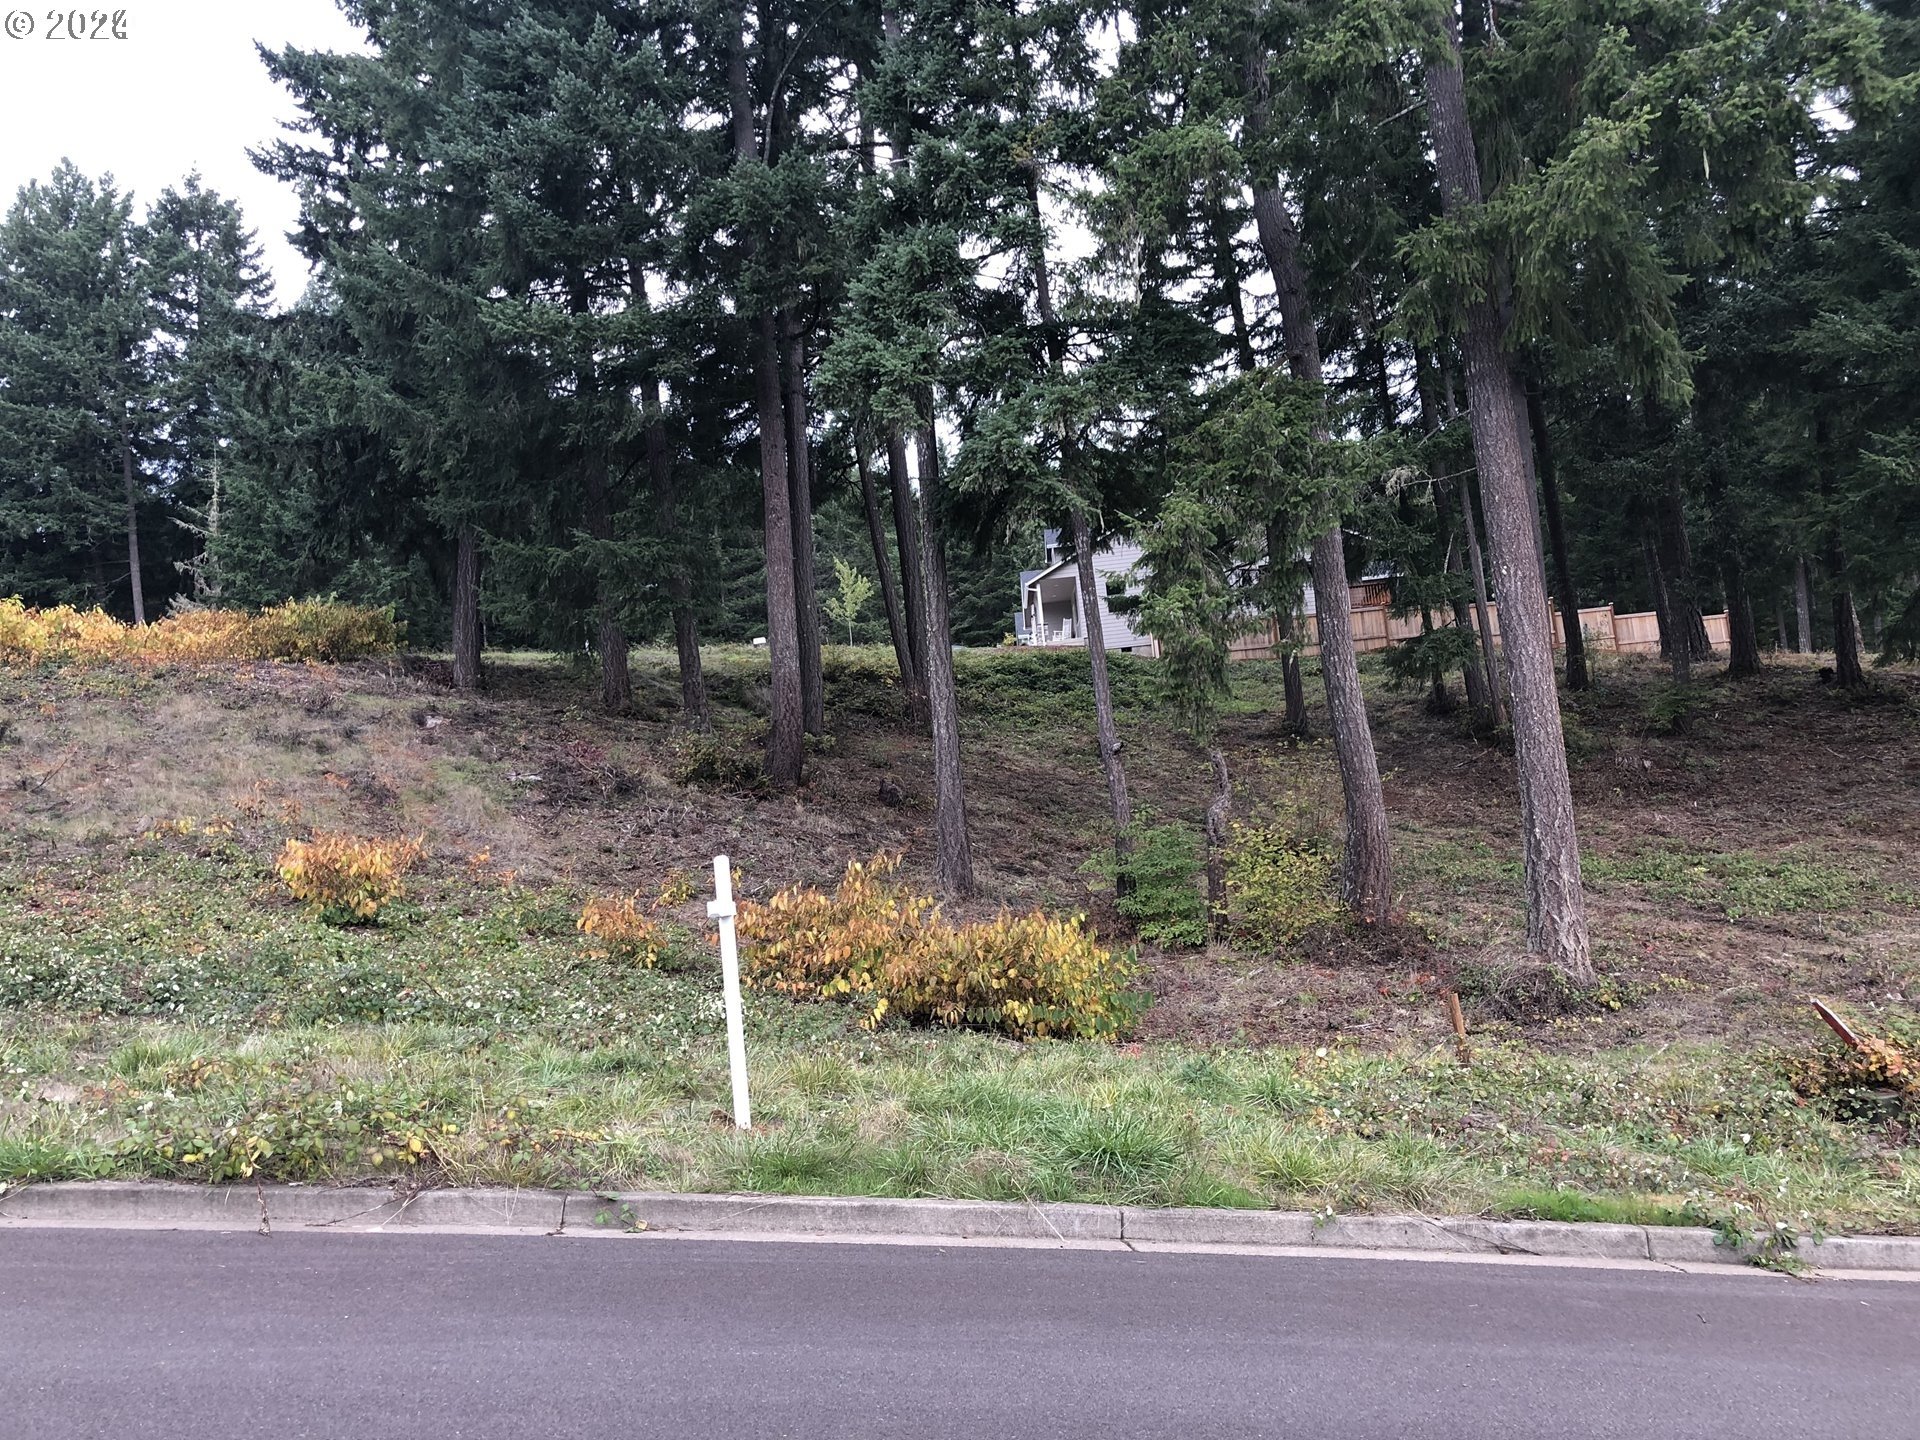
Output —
<point x="1053" y="608"/>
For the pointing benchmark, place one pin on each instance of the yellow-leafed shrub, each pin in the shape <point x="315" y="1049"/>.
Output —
<point x="347" y="879"/>
<point x="874" y="944"/>
<point x="621" y="930"/>
<point x="1278" y="887"/>
<point x="321" y="630"/>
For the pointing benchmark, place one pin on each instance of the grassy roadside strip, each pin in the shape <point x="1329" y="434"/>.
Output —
<point x="185" y="1022"/>
<point x="1613" y="1136"/>
<point x="1696" y="1137"/>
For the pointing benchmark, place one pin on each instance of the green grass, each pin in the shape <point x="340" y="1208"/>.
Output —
<point x="187" y="1022"/>
<point x="1737" y="883"/>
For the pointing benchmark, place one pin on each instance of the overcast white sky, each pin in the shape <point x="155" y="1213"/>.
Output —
<point x="183" y="91"/>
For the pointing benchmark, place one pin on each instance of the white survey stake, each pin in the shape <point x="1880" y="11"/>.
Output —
<point x="721" y="908"/>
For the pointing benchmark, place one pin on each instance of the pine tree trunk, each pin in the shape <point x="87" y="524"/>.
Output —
<point x="133" y="529"/>
<point x="1847" y="670"/>
<point x="1556" y="907"/>
<point x="1482" y="598"/>
<point x="913" y="585"/>
<point x="1683" y="592"/>
<point x="1366" y="873"/>
<point x="1569" y="597"/>
<point x="1680" y="659"/>
<point x="1293" y="687"/>
<point x="610" y="640"/>
<point x="1285" y="600"/>
<point x="1803" y="604"/>
<point x="1743" y="639"/>
<point x="666" y="510"/>
<point x="616" y="681"/>
<point x="1439" y="698"/>
<point x="1219" y="815"/>
<point x="1226" y="273"/>
<point x="1106" y="732"/>
<point x="953" y="851"/>
<point x="1473" y="672"/>
<point x="786" y="739"/>
<point x="813" y="692"/>
<point x="1780" y="642"/>
<point x="1482" y="605"/>
<point x="1657" y="583"/>
<point x="913" y="581"/>
<point x="889" y="595"/>
<point x="466" y="609"/>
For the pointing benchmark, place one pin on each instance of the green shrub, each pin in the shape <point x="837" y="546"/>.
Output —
<point x="717" y="761"/>
<point x="1278" y="887"/>
<point x="1161" y="900"/>
<point x="1671" y="709"/>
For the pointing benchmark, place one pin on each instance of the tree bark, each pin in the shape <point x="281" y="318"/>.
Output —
<point x="666" y="509"/>
<point x="1473" y="673"/>
<point x="1683" y="594"/>
<point x="953" y="851"/>
<point x="1556" y="907"/>
<point x="616" y="680"/>
<point x="913" y="585"/>
<point x="909" y="626"/>
<point x="1569" y="597"/>
<point x="466" y="609"/>
<point x="813" y="691"/>
<point x="1847" y="670"/>
<point x="913" y="582"/>
<point x="1284" y="588"/>
<point x="1743" y="638"/>
<point x="133" y="529"/>
<point x="610" y="640"/>
<point x="1293" y="685"/>
<point x="1107" y="734"/>
<point x="786" y="739"/>
<point x="1482" y="605"/>
<point x="1226" y="272"/>
<point x="1803" y="604"/>
<point x="1657" y="583"/>
<point x="1219" y="813"/>
<point x="1366" y="872"/>
<point x="889" y="595"/>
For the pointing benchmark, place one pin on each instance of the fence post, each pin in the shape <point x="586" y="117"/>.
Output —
<point x="721" y="908"/>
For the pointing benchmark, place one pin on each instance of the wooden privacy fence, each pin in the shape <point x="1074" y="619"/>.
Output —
<point x="1375" y="627"/>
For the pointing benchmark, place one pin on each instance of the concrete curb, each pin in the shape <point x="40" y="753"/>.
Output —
<point x="288" y="1208"/>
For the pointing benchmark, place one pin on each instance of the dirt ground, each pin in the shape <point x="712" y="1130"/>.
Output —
<point x="1745" y="849"/>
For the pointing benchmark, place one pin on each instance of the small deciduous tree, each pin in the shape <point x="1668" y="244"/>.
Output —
<point x="849" y="601"/>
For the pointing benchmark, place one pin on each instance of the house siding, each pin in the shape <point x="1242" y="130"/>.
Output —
<point x="1117" y="561"/>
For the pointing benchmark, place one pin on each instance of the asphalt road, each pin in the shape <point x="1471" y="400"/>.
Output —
<point x="166" y="1334"/>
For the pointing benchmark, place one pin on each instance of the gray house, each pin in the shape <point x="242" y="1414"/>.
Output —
<point x="1050" y="611"/>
